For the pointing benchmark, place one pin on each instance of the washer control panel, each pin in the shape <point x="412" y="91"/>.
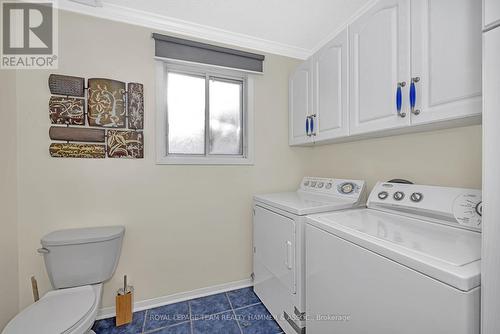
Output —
<point x="459" y="207"/>
<point x="330" y="186"/>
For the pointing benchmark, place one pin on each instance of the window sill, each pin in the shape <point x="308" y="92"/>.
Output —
<point x="238" y="161"/>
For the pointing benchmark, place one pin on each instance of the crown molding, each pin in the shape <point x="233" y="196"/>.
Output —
<point x="185" y="28"/>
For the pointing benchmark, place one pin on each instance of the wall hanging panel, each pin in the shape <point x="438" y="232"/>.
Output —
<point x="67" y="150"/>
<point x="77" y="134"/>
<point x="67" y="110"/>
<point x="66" y="85"/>
<point x="135" y="105"/>
<point x="125" y="144"/>
<point x="106" y="103"/>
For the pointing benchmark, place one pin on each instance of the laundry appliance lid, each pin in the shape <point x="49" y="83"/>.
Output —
<point x="303" y="203"/>
<point x="448" y="254"/>
<point x="56" y="312"/>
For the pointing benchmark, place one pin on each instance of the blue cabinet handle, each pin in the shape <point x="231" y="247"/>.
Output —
<point x="307" y="125"/>
<point x="413" y="96"/>
<point x="312" y="125"/>
<point x="399" y="99"/>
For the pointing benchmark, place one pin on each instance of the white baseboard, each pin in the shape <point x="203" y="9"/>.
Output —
<point x="108" y="312"/>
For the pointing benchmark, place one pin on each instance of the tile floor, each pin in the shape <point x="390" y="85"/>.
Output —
<point x="234" y="312"/>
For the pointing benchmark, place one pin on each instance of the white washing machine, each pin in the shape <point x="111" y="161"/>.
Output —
<point x="407" y="264"/>
<point x="279" y="225"/>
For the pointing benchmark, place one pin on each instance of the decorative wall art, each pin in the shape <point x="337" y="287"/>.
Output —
<point x="109" y="105"/>
<point x="66" y="85"/>
<point x="67" y="110"/>
<point x="135" y="105"/>
<point x="77" y="134"/>
<point x="106" y="103"/>
<point x="125" y="144"/>
<point x="67" y="150"/>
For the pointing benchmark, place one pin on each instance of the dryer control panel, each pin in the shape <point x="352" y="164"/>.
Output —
<point x="459" y="207"/>
<point x="330" y="186"/>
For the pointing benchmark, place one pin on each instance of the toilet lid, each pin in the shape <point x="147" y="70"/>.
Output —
<point x="55" y="313"/>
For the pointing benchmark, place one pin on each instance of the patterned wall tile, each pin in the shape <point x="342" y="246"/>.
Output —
<point x="135" y="105"/>
<point x="125" y="144"/>
<point x="106" y="105"/>
<point x="66" y="85"/>
<point x="66" y="150"/>
<point x="66" y="110"/>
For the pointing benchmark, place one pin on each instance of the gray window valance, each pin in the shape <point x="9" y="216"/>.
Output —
<point x="186" y="50"/>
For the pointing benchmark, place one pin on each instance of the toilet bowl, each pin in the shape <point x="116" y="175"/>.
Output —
<point x="65" y="311"/>
<point x="78" y="261"/>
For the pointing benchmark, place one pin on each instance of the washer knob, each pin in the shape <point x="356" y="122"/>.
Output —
<point x="416" y="197"/>
<point x="383" y="195"/>
<point x="320" y="185"/>
<point x="328" y="185"/>
<point x="398" y="195"/>
<point x="306" y="183"/>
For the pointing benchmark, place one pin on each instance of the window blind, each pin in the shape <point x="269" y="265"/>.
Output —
<point x="186" y="50"/>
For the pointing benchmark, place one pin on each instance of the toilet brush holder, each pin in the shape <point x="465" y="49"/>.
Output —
<point x="124" y="304"/>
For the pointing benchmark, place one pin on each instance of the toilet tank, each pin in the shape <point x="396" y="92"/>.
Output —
<point x="82" y="256"/>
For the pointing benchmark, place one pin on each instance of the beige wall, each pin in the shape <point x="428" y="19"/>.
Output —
<point x="188" y="226"/>
<point x="448" y="158"/>
<point x="8" y="199"/>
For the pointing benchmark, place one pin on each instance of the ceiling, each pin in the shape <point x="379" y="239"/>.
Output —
<point x="294" y="28"/>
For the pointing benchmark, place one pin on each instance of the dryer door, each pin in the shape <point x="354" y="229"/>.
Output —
<point x="274" y="249"/>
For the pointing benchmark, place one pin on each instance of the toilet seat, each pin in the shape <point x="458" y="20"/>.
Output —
<point x="59" y="311"/>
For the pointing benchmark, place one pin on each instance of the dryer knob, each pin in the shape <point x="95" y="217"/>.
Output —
<point x="398" y="195"/>
<point x="383" y="195"/>
<point x="416" y="197"/>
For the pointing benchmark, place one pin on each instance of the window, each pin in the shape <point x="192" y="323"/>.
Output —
<point x="204" y="115"/>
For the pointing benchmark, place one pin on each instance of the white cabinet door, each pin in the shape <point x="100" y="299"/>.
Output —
<point x="300" y="103"/>
<point x="491" y="13"/>
<point x="446" y="59"/>
<point x="330" y="90"/>
<point x="490" y="259"/>
<point x="380" y="60"/>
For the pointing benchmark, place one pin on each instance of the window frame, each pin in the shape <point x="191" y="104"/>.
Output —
<point x="163" y="67"/>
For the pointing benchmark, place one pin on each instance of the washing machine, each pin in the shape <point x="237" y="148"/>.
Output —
<point x="278" y="234"/>
<point x="409" y="263"/>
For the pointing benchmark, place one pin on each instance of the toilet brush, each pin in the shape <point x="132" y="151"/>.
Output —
<point x="124" y="304"/>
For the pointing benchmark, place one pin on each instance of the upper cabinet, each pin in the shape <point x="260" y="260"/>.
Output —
<point x="380" y="67"/>
<point x="446" y="60"/>
<point x="300" y="105"/>
<point x="403" y="66"/>
<point x="491" y="13"/>
<point x="330" y="90"/>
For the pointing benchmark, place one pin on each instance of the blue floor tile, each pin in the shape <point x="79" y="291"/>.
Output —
<point x="183" y="328"/>
<point x="209" y="305"/>
<point x="257" y="320"/>
<point x="167" y="315"/>
<point x="220" y="323"/>
<point x="242" y="297"/>
<point x="107" y="326"/>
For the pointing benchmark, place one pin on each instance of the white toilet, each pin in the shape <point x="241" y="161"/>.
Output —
<point x="78" y="261"/>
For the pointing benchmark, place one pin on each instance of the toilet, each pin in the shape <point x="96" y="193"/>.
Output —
<point x="78" y="261"/>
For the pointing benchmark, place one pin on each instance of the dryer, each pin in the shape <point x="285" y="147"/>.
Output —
<point x="407" y="264"/>
<point x="278" y="232"/>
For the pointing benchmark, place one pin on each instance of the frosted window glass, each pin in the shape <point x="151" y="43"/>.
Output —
<point x="225" y="117"/>
<point x="186" y="114"/>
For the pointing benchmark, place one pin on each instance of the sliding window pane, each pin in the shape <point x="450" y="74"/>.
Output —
<point x="186" y="114"/>
<point x="225" y="117"/>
